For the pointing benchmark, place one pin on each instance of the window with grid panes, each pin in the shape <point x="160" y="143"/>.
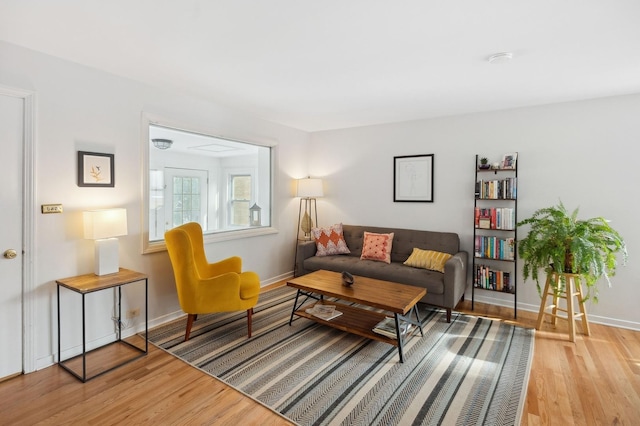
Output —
<point x="186" y="200"/>
<point x="240" y="199"/>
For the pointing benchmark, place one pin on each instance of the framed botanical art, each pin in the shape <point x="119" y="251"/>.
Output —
<point x="95" y="169"/>
<point x="413" y="178"/>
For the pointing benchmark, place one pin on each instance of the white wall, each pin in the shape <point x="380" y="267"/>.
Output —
<point x="583" y="153"/>
<point x="79" y="108"/>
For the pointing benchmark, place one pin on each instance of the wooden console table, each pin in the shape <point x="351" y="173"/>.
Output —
<point x="90" y="283"/>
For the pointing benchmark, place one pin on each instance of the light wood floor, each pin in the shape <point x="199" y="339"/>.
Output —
<point x="595" y="381"/>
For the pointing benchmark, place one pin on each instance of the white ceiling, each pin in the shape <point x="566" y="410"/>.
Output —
<point x="328" y="64"/>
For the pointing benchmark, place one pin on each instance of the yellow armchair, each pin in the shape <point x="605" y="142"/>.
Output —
<point x="205" y="287"/>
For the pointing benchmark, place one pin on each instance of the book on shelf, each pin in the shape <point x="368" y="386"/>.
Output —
<point x="503" y="218"/>
<point x="492" y="279"/>
<point x="490" y="247"/>
<point x="504" y="189"/>
<point x="325" y="312"/>
<point x="387" y="327"/>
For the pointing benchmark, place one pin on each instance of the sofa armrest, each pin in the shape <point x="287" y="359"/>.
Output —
<point x="455" y="279"/>
<point x="304" y="250"/>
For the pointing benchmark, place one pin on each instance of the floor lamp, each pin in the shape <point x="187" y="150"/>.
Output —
<point x="308" y="190"/>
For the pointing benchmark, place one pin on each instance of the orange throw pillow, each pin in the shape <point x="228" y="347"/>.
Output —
<point x="377" y="247"/>
<point x="330" y="241"/>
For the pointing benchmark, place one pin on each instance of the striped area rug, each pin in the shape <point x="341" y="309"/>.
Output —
<point x="472" y="371"/>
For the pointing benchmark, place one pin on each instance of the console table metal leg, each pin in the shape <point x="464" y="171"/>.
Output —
<point x="84" y="342"/>
<point x="119" y="327"/>
<point x="59" y="353"/>
<point x="146" y="315"/>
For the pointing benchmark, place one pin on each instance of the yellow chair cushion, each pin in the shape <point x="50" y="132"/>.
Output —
<point x="428" y="259"/>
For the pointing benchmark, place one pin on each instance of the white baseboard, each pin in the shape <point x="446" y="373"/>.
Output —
<point x="596" y="319"/>
<point x="49" y="360"/>
<point x="276" y="279"/>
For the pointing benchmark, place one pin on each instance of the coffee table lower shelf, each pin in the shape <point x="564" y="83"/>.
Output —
<point x="353" y="320"/>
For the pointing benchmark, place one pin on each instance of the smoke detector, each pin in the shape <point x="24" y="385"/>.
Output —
<point x="500" y="58"/>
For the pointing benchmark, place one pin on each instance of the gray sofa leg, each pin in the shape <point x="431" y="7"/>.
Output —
<point x="448" y="315"/>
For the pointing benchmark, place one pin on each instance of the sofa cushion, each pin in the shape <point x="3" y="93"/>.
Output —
<point x="428" y="259"/>
<point x="394" y="272"/>
<point x="330" y="240"/>
<point x="377" y="247"/>
<point x="404" y="240"/>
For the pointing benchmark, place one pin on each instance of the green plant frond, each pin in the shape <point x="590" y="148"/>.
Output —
<point x="554" y="232"/>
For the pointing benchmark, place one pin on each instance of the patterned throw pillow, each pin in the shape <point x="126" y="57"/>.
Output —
<point x="330" y="241"/>
<point x="377" y="247"/>
<point x="428" y="259"/>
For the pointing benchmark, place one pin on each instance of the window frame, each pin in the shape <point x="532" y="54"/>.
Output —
<point x="147" y="246"/>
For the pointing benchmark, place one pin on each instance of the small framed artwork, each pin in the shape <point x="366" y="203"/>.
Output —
<point x="413" y="178"/>
<point x="95" y="169"/>
<point x="509" y="160"/>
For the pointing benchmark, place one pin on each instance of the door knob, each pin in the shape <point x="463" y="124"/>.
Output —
<point x="10" y="254"/>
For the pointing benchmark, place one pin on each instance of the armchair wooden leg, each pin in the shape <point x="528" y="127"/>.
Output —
<point x="190" y="319"/>
<point x="448" y="315"/>
<point x="249" y="318"/>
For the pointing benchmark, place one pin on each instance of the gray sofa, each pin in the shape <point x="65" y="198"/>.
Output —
<point x="443" y="290"/>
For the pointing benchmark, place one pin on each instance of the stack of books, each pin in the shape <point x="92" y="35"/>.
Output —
<point x="387" y="327"/>
<point x="325" y="312"/>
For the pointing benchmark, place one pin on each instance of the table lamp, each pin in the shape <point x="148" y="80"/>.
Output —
<point x="103" y="226"/>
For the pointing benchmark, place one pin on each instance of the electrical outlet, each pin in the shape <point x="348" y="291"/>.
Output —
<point x="132" y="313"/>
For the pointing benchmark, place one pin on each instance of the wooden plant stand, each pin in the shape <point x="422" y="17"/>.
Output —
<point x="572" y="288"/>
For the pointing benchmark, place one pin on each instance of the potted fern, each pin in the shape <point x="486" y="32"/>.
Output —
<point x="559" y="241"/>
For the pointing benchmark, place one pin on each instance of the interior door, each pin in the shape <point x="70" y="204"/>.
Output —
<point x="11" y="163"/>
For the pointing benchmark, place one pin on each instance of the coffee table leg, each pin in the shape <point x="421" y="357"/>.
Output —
<point x="399" y="336"/>
<point x="294" y="306"/>
<point x="307" y="296"/>
<point x="419" y="323"/>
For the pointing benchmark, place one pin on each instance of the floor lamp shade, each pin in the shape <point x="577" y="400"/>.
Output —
<point x="104" y="226"/>
<point x="310" y="188"/>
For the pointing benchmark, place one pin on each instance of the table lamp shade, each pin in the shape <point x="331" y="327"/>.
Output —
<point x="106" y="223"/>
<point x="103" y="226"/>
<point x="309" y="188"/>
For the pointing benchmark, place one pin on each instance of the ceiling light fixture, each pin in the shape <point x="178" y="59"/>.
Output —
<point x="162" y="143"/>
<point x="500" y="58"/>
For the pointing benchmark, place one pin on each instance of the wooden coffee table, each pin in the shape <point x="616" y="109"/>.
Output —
<point x="399" y="299"/>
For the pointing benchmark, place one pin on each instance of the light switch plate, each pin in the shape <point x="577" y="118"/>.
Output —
<point x="51" y="208"/>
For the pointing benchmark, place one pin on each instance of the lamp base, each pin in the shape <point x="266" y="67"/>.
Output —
<point x="106" y="256"/>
